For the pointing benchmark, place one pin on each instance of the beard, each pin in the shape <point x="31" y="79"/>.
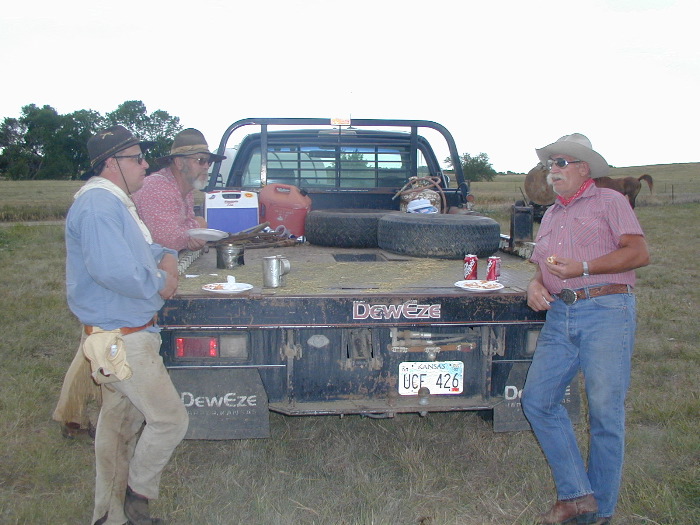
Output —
<point x="196" y="178"/>
<point x="199" y="184"/>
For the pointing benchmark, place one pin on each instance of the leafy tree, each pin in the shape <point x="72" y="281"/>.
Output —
<point x="78" y="127"/>
<point x="15" y="161"/>
<point x="475" y="168"/>
<point x="29" y="142"/>
<point x="41" y="144"/>
<point x="158" y="127"/>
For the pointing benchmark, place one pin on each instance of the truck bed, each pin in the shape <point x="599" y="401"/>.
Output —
<point x="323" y="271"/>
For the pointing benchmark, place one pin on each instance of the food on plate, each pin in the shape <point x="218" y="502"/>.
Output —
<point x="479" y="285"/>
<point x="552" y="259"/>
<point x="485" y="285"/>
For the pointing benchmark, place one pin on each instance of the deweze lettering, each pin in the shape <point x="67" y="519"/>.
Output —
<point x="227" y="400"/>
<point x="511" y="393"/>
<point x="408" y="310"/>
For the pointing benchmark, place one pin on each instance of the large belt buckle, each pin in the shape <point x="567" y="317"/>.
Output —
<point x="568" y="296"/>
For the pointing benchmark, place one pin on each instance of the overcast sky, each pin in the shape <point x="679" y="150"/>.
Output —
<point x="504" y="76"/>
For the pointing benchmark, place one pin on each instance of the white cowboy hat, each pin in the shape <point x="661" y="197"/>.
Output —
<point x="579" y="147"/>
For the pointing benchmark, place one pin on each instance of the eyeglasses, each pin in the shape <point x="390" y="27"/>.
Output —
<point x="201" y="160"/>
<point x="139" y="158"/>
<point x="560" y="163"/>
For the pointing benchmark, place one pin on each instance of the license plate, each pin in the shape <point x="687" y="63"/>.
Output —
<point x="440" y="377"/>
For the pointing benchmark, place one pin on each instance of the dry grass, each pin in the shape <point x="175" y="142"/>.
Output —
<point x="445" y="469"/>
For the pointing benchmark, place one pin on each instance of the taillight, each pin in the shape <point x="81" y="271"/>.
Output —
<point x="196" y="347"/>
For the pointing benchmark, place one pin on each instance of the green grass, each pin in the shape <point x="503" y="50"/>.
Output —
<point x="444" y="469"/>
<point x="36" y="200"/>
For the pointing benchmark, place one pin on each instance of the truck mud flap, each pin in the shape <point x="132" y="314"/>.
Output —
<point x="226" y="403"/>
<point x="508" y="415"/>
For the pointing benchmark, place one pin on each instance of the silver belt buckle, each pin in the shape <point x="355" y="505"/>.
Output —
<point x="568" y="296"/>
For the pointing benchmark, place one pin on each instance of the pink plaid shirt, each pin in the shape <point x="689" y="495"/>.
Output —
<point x="167" y="215"/>
<point x="585" y="229"/>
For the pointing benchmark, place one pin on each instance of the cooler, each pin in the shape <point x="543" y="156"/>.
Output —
<point x="231" y="211"/>
<point x="282" y="204"/>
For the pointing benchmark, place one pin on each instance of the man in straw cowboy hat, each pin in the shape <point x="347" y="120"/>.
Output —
<point x="117" y="279"/>
<point x="587" y="248"/>
<point x="166" y="200"/>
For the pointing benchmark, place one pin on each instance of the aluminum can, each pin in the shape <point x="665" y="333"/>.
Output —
<point x="493" y="269"/>
<point x="470" y="263"/>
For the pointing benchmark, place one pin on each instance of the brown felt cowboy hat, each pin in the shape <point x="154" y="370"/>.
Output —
<point x="190" y="142"/>
<point x="109" y="142"/>
<point x="579" y="147"/>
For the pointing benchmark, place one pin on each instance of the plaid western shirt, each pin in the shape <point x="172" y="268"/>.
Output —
<point x="587" y="228"/>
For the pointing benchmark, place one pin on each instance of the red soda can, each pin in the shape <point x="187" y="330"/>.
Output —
<point x="493" y="269"/>
<point x="470" y="263"/>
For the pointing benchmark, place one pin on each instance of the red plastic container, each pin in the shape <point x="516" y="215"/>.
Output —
<point x="283" y="204"/>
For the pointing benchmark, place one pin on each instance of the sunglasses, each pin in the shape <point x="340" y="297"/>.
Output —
<point x="560" y="163"/>
<point x="202" y="161"/>
<point x="139" y="158"/>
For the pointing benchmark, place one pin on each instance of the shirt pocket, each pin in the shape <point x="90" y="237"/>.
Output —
<point x="586" y="230"/>
<point x="543" y="240"/>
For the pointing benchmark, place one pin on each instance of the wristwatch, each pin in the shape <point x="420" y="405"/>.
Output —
<point x="585" y="269"/>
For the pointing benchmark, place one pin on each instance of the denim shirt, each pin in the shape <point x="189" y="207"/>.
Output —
<point x="112" y="274"/>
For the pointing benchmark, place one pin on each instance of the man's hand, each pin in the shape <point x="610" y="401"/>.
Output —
<point x="195" y="244"/>
<point x="538" y="298"/>
<point x="565" y="268"/>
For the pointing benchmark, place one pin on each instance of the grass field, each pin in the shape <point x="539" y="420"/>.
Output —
<point x="444" y="469"/>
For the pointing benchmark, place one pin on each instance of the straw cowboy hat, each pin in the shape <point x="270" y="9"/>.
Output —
<point x="190" y="142"/>
<point x="579" y="147"/>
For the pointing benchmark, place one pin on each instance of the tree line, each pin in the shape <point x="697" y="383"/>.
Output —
<point x="475" y="168"/>
<point x="42" y="144"/>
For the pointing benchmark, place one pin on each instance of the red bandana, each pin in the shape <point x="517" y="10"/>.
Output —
<point x="583" y="188"/>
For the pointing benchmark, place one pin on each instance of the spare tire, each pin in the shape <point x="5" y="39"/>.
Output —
<point x="344" y="228"/>
<point x="441" y="236"/>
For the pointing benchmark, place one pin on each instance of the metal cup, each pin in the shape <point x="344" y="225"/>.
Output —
<point x="228" y="256"/>
<point x="275" y="267"/>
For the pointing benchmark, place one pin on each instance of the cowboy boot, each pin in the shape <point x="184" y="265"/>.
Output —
<point x="136" y="509"/>
<point x="581" y="511"/>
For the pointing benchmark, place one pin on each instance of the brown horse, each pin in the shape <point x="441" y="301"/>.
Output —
<point x="628" y="186"/>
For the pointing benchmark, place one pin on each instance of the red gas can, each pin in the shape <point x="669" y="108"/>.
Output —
<point x="283" y="204"/>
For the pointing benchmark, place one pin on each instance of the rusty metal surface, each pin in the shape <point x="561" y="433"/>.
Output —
<point x="317" y="271"/>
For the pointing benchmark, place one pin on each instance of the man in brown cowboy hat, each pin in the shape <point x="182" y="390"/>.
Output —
<point x="166" y="200"/>
<point x="117" y="279"/>
<point x="587" y="249"/>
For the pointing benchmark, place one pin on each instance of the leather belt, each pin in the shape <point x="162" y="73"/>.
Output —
<point x="570" y="296"/>
<point x="126" y="330"/>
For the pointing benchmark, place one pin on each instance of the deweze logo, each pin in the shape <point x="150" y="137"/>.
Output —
<point x="229" y="400"/>
<point x="407" y="310"/>
<point x="511" y="393"/>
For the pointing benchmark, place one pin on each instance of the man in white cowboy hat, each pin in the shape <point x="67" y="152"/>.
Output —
<point x="117" y="279"/>
<point x="587" y="248"/>
<point x="166" y="200"/>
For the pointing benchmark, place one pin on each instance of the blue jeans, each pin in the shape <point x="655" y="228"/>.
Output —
<point x="597" y="336"/>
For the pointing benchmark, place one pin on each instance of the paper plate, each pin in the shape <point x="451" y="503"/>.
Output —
<point x="227" y="287"/>
<point x="478" y="285"/>
<point x="207" y="234"/>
